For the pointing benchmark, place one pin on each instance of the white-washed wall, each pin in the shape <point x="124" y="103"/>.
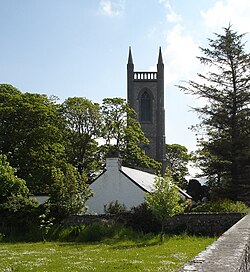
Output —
<point x="114" y="185"/>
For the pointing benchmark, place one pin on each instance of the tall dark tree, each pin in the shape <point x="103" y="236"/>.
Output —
<point x="224" y="130"/>
<point x="123" y="134"/>
<point x="30" y="135"/>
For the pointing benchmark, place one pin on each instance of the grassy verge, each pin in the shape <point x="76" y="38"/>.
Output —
<point x="109" y="255"/>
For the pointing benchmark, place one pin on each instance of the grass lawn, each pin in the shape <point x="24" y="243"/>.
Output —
<point x="105" y="256"/>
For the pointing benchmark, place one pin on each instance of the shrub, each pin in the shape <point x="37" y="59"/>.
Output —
<point x="94" y="232"/>
<point x="223" y="205"/>
<point x="114" y="207"/>
<point x="65" y="233"/>
<point x="1" y="236"/>
<point x="142" y="219"/>
<point x="20" y="225"/>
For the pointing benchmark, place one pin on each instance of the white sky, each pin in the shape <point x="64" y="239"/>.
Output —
<point x="80" y="47"/>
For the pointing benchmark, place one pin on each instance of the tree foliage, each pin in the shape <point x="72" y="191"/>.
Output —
<point x="177" y="159"/>
<point x="224" y="130"/>
<point x="123" y="134"/>
<point x="197" y="191"/>
<point x="13" y="190"/>
<point x="37" y="134"/>
<point x="30" y="135"/>
<point x="69" y="192"/>
<point x="83" y="126"/>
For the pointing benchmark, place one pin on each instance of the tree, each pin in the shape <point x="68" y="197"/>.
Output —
<point x="30" y="135"/>
<point x="13" y="190"/>
<point x="123" y="134"/>
<point x="224" y="130"/>
<point x="194" y="189"/>
<point x="164" y="200"/>
<point x="177" y="159"/>
<point x="83" y="127"/>
<point x="69" y="192"/>
<point x="17" y="209"/>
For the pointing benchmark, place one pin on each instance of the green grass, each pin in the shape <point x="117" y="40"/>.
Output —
<point x="109" y="255"/>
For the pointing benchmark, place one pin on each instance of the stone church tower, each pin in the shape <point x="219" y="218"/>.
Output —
<point x="145" y="94"/>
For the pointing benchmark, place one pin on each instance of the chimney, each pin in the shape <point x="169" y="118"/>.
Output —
<point x="113" y="164"/>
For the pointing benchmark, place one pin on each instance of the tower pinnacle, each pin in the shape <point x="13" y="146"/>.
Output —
<point x="160" y="61"/>
<point x="130" y="59"/>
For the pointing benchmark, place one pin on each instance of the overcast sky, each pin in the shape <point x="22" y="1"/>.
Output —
<point x="73" y="48"/>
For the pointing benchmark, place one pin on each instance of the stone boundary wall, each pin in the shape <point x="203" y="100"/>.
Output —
<point x="87" y="219"/>
<point x="202" y="223"/>
<point x="194" y="223"/>
<point x="230" y="253"/>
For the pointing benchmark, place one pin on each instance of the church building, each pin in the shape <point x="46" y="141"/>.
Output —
<point x="145" y="94"/>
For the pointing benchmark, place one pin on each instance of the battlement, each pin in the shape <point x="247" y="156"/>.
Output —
<point x="145" y="75"/>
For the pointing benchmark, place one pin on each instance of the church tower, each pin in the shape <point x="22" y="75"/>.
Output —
<point x="145" y="94"/>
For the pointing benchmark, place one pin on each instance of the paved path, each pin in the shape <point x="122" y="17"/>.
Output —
<point x="230" y="253"/>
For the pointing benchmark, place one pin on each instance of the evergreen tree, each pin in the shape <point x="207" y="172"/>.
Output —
<point x="224" y="130"/>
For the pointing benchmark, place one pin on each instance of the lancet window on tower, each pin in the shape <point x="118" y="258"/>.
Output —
<point x="145" y="111"/>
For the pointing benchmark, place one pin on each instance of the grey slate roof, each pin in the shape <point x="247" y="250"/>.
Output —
<point x="141" y="178"/>
<point x="144" y="180"/>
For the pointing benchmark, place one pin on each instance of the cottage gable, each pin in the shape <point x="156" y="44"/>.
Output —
<point x="126" y="185"/>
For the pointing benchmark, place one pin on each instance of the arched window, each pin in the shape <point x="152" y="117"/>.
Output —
<point x="145" y="112"/>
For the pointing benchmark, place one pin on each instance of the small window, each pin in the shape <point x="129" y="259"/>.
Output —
<point x="145" y="112"/>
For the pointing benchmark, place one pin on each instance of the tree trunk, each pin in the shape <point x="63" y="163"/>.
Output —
<point x="162" y="232"/>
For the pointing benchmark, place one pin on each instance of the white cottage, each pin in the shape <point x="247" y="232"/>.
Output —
<point x="126" y="185"/>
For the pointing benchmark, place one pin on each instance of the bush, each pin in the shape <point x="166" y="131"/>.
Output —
<point x="142" y="219"/>
<point x="65" y="233"/>
<point x="1" y="237"/>
<point x="223" y="205"/>
<point x="20" y="225"/>
<point x="114" y="207"/>
<point x="94" y="232"/>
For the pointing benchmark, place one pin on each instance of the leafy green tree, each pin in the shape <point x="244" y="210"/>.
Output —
<point x="17" y="209"/>
<point x="123" y="134"/>
<point x="13" y="190"/>
<point x="164" y="201"/>
<point x="224" y="130"/>
<point x="83" y="127"/>
<point x="69" y="192"/>
<point x="177" y="159"/>
<point x="31" y="135"/>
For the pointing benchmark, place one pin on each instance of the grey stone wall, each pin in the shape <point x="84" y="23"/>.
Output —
<point x="194" y="223"/>
<point x="230" y="253"/>
<point x="202" y="223"/>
